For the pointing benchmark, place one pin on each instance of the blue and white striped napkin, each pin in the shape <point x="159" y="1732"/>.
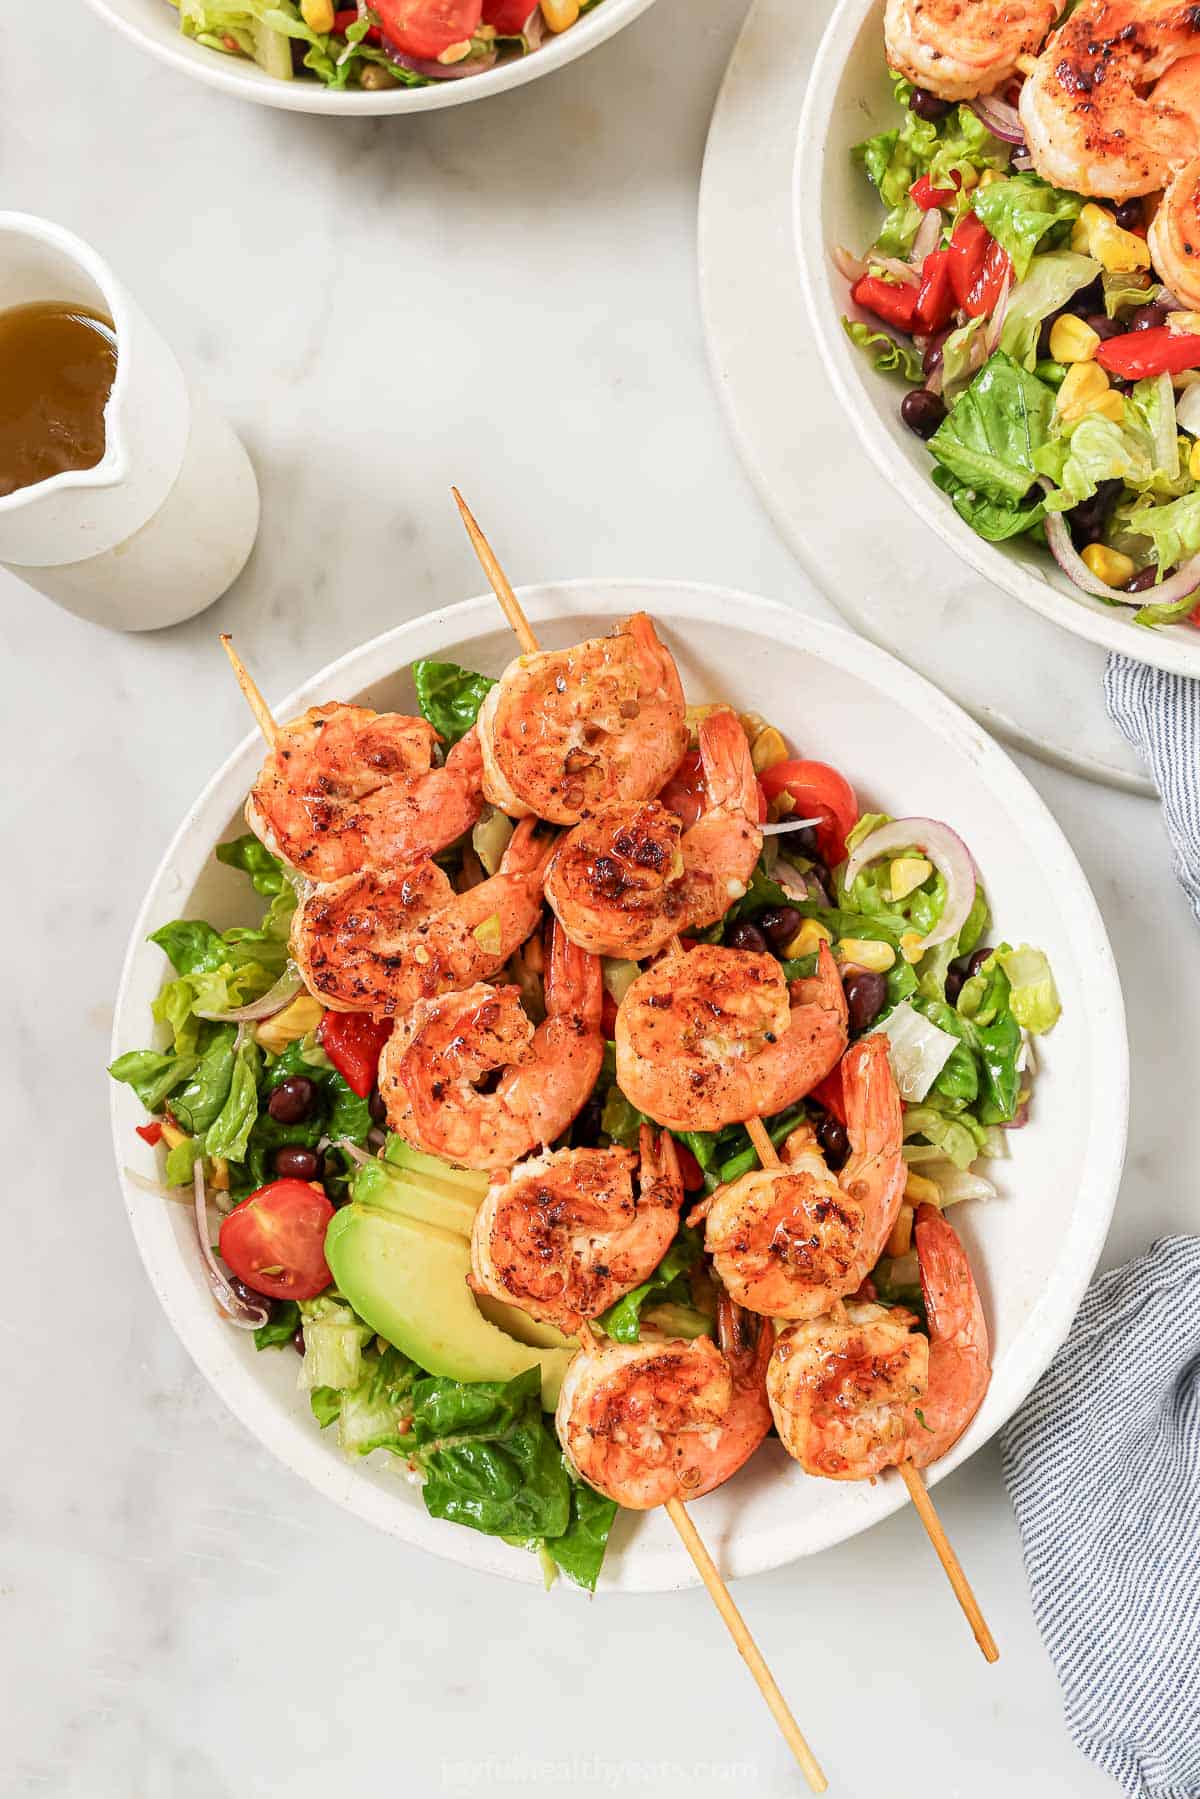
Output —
<point x="1160" y="715"/>
<point x="1103" y="1467"/>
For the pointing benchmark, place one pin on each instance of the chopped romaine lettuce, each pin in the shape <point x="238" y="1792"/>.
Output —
<point x="989" y="438"/>
<point x="1033" y="998"/>
<point x="1047" y="287"/>
<point x="917" y="1049"/>
<point x="888" y="355"/>
<point x="449" y="697"/>
<point x="1024" y="210"/>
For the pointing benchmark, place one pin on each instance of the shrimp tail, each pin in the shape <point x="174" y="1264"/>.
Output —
<point x="729" y="778"/>
<point x="824" y="989"/>
<point x="526" y="854"/>
<point x="660" y="1181"/>
<point x="875" y="1173"/>
<point x="959" y="1369"/>
<point x="574" y="981"/>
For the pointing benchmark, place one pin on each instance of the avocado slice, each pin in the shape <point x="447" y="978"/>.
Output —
<point x="407" y="1278"/>
<point x="449" y="1205"/>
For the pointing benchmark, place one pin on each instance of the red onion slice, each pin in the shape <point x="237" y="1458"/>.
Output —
<point x="891" y="265"/>
<point x="787" y="824"/>
<point x="440" y="71"/>
<point x="853" y="268"/>
<point x="996" y="323"/>
<point x="944" y="848"/>
<point x="1183" y="582"/>
<point x="266" y="1005"/>
<point x="159" y="1189"/>
<point x="928" y="233"/>
<point x="1001" y="119"/>
<point x="238" y="1311"/>
<point x="534" y="30"/>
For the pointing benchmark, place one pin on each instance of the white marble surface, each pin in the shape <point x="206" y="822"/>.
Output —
<point x="502" y="296"/>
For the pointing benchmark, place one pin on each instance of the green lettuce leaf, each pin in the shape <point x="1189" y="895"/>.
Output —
<point x="229" y="1132"/>
<point x="887" y="354"/>
<point x="1021" y="211"/>
<point x="489" y="1459"/>
<point x="1173" y="529"/>
<point x="989" y="518"/>
<point x="962" y="355"/>
<point x="254" y="859"/>
<point x="579" y="1552"/>
<point x="1033" y="996"/>
<point x="1122" y="293"/>
<point x="955" y="146"/>
<point x="669" y="1282"/>
<point x="449" y="697"/>
<point x="280" y="1327"/>
<point x="989" y="438"/>
<point x="1045" y="290"/>
<point x="199" y="1101"/>
<point x="153" y="1074"/>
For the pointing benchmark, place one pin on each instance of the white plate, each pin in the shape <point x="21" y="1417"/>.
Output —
<point x="907" y="749"/>
<point x="850" y="98"/>
<point x="154" y="25"/>
<point x="856" y="538"/>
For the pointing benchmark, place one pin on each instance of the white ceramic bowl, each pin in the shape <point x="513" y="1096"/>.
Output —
<point x="849" y="98"/>
<point x="906" y="749"/>
<point x="154" y="24"/>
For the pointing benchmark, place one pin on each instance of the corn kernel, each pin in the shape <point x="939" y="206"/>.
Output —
<point x="1109" y="406"/>
<point x="317" y="14"/>
<point x="1083" y="384"/>
<point x="900" y="1241"/>
<point x="1194" y="460"/>
<point x="767" y="749"/>
<point x="1109" y="566"/>
<point x="220" y="1175"/>
<point x="990" y="177"/>
<point x="920" y="1190"/>
<point x="1072" y="339"/>
<point x="906" y="875"/>
<point x="808" y="940"/>
<point x="912" y="946"/>
<point x="1097" y="234"/>
<point x="455" y="52"/>
<point x="876" y="958"/>
<point x="172" y="1136"/>
<point x="968" y="178"/>
<point x="558" y="14"/>
<point x="695" y="716"/>
<point x="1184" y="324"/>
<point x="296" y="1020"/>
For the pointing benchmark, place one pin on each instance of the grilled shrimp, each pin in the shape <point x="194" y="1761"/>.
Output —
<point x="1174" y="234"/>
<point x="563" y="1237"/>
<point x="716" y="1036"/>
<point x="657" y="1420"/>
<point x="960" y="48"/>
<point x="629" y="877"/>
<point x="790" y="1241"/>
<point x="438" y="1071"/>
<point x="855" y="1394"/>
<point x="1100" y="112"/>
<point x="565" y="731"/>
<point x="346" y="788"/>
<point x="380" y="940"/>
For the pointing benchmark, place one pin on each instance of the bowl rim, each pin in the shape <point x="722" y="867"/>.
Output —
<point x="247" y="81"/>
<point x="1174" y="648"/>
<point x="1051" y="1311"/>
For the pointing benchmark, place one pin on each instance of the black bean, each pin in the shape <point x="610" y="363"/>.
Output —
<point x="249" y="1295"/>
<point x="932" y="359"/>
<point x="1147" y="318"/>
<point x="922" y="411"/>
<point x="955" y="976"/>
<point x="377" y="1108"/>
<point x="294" y="1163"/>
<point x="1143" y="581"/>
<point x="298" y="1339"/>
<point x="778" y="925"/>
<point x="744" y="935"/>
<point x="927" y="106"/>
<point x="1089" y="519"/>
<point x="977" y="960"/>
<point x="1089" y="298"/>
<point x="866" y="994"/>
<point x="1103" y="326"/>
<point x="292" y="1100"/>
<point x="804" y="842"/>
<point x="835" y="1144"/>
<point x="586" y="1131"/>
<point x="1129" y="215"/>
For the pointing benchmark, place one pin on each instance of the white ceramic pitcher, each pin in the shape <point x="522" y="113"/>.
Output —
<point x="164" y="522"/>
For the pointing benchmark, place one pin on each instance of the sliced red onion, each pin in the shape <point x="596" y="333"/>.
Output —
<point x="1022" y="161"/>
<point x="852" y="267"/>
<point x="239" y="1312"/>
<point x="1019" y="1119"/>
<point x="433" y="70"/>
<point x="159" y="1189"/>
<point x="996" y="322"/>
<point x="534" y="30"/>
<point x="273" y="1000"/>
<point x="356" y="1155"/>
<point x="1187" y="409"/>
<point x="928" y="233"/>
<point x="1001" y="119"/>
<point x="959" y="1183"/>
<point x="799" y="883"/>
<point x="891" y="265"/>
<point x="1183" y="582"/>
<point x="944" y="848"/>
<point x="787" y="824"/>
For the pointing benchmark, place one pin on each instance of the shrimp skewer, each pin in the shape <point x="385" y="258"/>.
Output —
<point x="861" y="1389"/>
<point x="344" y="788"/>
<point x="958" y="51"/>
<point x="705" y="1567"/>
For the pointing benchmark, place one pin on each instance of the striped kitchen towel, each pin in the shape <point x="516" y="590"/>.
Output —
<point x="1160" y="715"/>
<point x="1103" y="1467"/>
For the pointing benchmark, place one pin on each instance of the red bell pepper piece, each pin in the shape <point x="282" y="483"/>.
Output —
<point x="1159" y="351"/>
<point x="347" y="16"/>
<point x="828" y="1093"/>
<point x="353" y="1043"/>
<point x="894" y="305"/>
<point x="150" y="1133"/>
<point x="608" y="1016"/>
<point x="935" y="296"/>
<point x="927" y="196"/>
<point x="978" y="267"/>
<point x="690" y="1171"/>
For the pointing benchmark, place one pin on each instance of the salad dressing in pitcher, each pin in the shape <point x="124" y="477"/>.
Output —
<point x="58" y="362"/>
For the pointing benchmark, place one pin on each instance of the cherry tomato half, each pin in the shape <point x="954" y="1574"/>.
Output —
<point x="275" y="1240"/>
<point x="507" y="17"/>
<point x="817" y="791"/>
<point x="427" y="27"/>
<point x="354" y="1042"/>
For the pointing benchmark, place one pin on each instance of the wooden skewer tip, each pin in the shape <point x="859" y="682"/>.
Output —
<point x="944" y="1550"/>
<point x="254" y="699"/>
<point x="498" y="580"/>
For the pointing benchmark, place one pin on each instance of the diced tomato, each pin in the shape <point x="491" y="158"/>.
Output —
<point x="684" y="792"/>
<point x="935" y="296"/>
<point x="275" y="1240"/>
<point x="1159" y="351"/>
<point x="427" y="27"/>
<point x="978" y="267"/>
<point x="690" y="1171"/>
<point x="347" y="16"/>
<point x="927" y="196"/>
<point x="764" y="805"/>
<point x="608" y="1016"/>
<point x="894" y="305"/>
<point x="507" y="17"/>
<point x="353" y="1042"/>
<point x="817" y="791"/>
<point x="828" y="1093"/>
<point x="150" y="1133"/>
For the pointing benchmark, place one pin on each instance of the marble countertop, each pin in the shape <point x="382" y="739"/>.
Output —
<point x="502" y="296"/>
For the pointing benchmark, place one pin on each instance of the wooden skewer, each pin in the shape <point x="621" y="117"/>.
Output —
<point x="254" y="699"/>
<point x="747" y="1648"/>
<point x="510" y="605"/>
<point x="943" y="1549"/>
